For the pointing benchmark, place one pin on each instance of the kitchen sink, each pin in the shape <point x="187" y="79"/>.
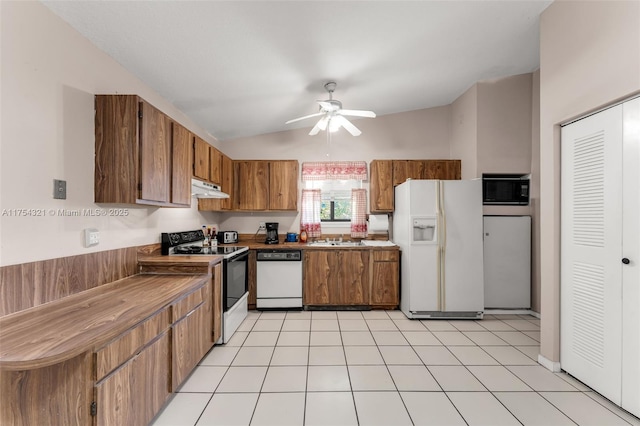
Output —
<point x="335" y="244"/>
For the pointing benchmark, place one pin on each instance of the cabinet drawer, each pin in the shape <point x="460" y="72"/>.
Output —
<point x="128" y="344"/>
<point x="191" y="340"/>
<point x="188" y="303"/>
<point x="389" y="255"/>
<point x="133" y="394"/>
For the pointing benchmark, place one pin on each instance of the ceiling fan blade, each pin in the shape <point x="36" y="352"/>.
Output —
<point x="328" y="106"/>
<point x="357" y="113"/>
<point x="305" y="117"/>
<point x="323" y="123"/>
<point x="349" y="127"/>
<point x="320" y="125"/>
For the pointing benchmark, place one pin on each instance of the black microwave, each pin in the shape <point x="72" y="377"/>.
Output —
<point x="506" y="190"/>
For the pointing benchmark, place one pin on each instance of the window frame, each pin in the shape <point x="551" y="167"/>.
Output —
<point x="332" y="218"/>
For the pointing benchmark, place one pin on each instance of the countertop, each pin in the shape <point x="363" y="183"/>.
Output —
<point x="60" y="330"/>
<point x="253" y="245"/>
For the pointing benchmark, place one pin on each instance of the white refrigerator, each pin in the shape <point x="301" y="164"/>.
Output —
<point x="438" y="226"/>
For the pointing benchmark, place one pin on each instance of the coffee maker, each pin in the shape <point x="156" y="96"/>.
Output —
<point x="272" y="233"/>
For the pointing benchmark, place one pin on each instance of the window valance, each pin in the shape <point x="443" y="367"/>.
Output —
<point x="334" y="170"/>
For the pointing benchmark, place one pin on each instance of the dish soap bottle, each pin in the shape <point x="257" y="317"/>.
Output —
<point x="303" y="236"/>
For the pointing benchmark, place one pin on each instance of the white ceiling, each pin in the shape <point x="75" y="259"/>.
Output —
<point x="242" y="68"/>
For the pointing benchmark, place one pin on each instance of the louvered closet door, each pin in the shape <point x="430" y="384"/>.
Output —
<point x="591" y="250"/>
<point x="631" y="251"/>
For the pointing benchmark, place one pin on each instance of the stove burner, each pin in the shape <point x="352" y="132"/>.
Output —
<point x="188" y="249"/>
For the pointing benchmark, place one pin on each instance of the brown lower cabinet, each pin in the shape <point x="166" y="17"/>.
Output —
<point x="191" y="335"/>
<point x="385" y="278"/>
<point x="136" y="391"/>
<point x="336" y="277"/>
<point x="351" y="278"/>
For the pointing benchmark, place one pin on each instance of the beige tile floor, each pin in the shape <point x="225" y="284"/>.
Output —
<point x="378" y="368"/>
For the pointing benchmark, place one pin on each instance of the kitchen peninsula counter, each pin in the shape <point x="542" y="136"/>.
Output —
<point x="60" y="330"/>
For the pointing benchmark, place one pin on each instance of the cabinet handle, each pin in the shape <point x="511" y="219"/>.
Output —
<point x="625" y="260"/>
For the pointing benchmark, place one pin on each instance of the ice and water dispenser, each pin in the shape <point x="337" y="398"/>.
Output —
<point x="425" y="230"/>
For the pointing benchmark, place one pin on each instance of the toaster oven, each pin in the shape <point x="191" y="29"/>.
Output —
<point x="227" y="237"/>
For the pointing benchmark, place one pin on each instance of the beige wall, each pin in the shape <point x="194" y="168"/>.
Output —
<point x="504" y="125"/>
<point x="495" y="129"/>
<point x="422" y="133"/>
<point x="464" y="131"/>
<point x="589" y="58"/>
<point x="48" y="77"/>
<point x="534" y="194"/>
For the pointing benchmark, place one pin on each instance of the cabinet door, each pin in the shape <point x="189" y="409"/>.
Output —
<point x="252" y="272"/>
<point x="227" y="182"/>
<point x="117" y="149"/>
<point x="181" y="165"/>
<point x="442" y="169"/>
<point x="385" y="278"/>
<point x="407" y="169"/>
<point x="283" y="185"/>
<point x="59" y="394"/>
<point x="320" y="277"/>
<point x="354" y="278"/>
<point x="252" y="185"/>
<point x="381" y="186"/>
<point x="217" y="302"/>
<point x="221" y="204"/>
<point x="155" y="154"/>
<point x="215" y="166"/>
<point x="134" y="393"/>
<point x="201" y="158"/>
<point x="191" y="340"/>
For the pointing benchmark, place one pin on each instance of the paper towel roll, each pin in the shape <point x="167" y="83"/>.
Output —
<point x="378" y="223"/>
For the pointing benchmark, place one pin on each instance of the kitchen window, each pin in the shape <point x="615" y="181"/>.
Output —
<point x="336" y="198"/>
<point x="333" y="194"/>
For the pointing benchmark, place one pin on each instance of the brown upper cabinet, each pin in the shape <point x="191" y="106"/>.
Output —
<point x="251" y="185"/>
<point x="381" y="186"/>
<point x="387" y="174"/>
<point x="256" y="185"/>
<point x="226" y="185"/>
<point x="207" y="161"/>
<point x="181" y="165"/>
<point x="201" y="155"/>
<point x="215" y="166"/>
<point x="283" y="185"/>
<point x="134" y="151"/>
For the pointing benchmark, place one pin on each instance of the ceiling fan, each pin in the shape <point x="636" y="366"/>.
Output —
<point x="333" y="115"/>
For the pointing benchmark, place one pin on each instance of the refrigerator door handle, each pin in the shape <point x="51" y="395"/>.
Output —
<point x="441" y="247"/>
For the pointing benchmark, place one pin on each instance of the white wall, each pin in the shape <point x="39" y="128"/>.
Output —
<point x="589" y="58"/>
<point x="48" y="77"/>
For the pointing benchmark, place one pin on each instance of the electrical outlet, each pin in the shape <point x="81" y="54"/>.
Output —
<point x="91" y="237"/>
<point x="59" y="189"/>
<point x="262" y="226"/>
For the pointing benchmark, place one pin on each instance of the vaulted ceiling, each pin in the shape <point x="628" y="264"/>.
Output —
<point x="242" y="68"/>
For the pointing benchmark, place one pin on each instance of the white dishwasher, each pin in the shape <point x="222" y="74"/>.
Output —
<point x="279" y="279"/>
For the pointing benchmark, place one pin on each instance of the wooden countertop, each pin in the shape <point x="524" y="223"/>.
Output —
<point x="60" y="330"/>
<point x="178" y="261"/>
<point x="253" y="245"/>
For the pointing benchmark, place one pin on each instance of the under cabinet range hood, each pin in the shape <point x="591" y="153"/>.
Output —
<point x="201" y="189"/>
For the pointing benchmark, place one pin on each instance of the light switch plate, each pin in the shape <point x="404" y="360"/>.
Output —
<point x="91" y="237"/>
<point x="59" y="189"/>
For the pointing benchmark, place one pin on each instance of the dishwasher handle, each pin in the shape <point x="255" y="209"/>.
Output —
<point x="279" y="255"/>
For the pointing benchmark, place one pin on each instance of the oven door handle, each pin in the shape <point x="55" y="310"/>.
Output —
<point x="241" y="256"/>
